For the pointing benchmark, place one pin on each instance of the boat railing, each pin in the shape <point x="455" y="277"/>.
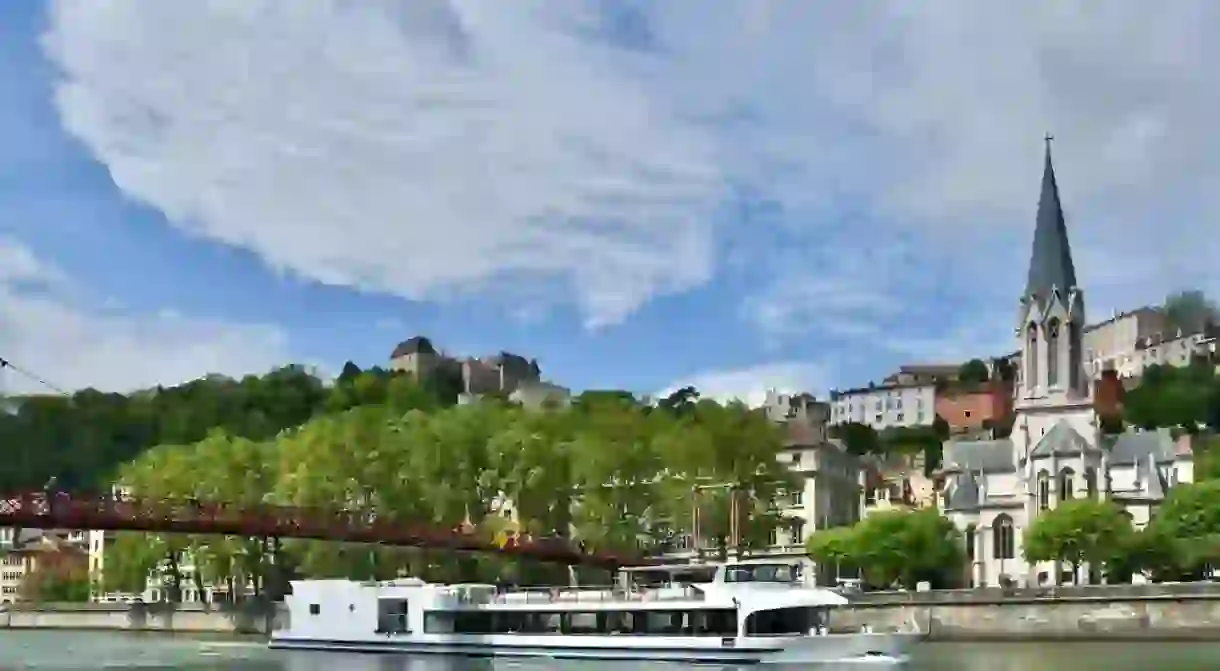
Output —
<point x="597" y="595"/>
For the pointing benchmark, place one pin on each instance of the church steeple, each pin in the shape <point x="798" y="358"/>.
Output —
<point x="1050" y="264"/>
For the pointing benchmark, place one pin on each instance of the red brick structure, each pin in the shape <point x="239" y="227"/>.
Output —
<point x="972" y="408"/>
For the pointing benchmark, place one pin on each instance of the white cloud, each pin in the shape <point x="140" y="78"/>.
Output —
<point x="750" y="385"/>
<point x="431" y="147"/>
<point x="50" y="335"/>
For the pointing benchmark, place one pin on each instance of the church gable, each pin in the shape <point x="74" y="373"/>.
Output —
<point x="1062" y="440"/>
<point x="1132" y="447"/>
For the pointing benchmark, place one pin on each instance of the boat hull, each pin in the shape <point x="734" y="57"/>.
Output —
<point x="780" y="650"/>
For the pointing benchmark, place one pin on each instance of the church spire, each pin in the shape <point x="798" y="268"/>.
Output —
<point x="1050" y="265"/>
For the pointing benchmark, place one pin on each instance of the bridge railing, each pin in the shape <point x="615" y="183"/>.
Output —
<point x="67" y="511"/>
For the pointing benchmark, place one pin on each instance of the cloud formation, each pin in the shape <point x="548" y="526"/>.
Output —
<point x="751" y="384"/>
<point x="48" y="334"/>
<point x="588" y="152"/>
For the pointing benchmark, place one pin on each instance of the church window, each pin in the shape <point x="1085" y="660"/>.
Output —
<point x="1031" y="356"/>
<point x="1044" y="490"/>
<point x="1052" y="353"/>
<point x="970" y="532"/>
<point x="1075" y="360"/>
<point x="1090" y="482"/>
<point x="1065" y="484"/>
<point x="1003" y="538"/>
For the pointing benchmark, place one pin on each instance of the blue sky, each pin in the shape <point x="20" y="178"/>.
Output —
<point x="789" y="194"/>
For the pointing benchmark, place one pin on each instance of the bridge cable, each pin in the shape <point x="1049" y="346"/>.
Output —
<point x="5" y="363"/>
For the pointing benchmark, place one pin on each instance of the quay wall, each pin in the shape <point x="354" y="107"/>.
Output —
<point x="191" y="618"/>
<point x="1121" y="612"/>
<point x="1188" y="611"/>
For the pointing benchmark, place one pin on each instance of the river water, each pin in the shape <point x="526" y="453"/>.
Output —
<point x="77" y="651"/>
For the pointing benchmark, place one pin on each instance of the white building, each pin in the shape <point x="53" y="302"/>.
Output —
<point x="886" y="406"/>
<point x="995" y="488"/>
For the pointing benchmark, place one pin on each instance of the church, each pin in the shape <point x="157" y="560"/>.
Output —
<point x="993" y="489"/>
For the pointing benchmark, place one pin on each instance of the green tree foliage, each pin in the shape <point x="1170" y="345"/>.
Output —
<point x="1079" y="531"/>
<point x="973" y="372"/>
<point x="895" y="548"/>
<point x="607" y="473"/>
<point x="60" y="577"/>
<point x="1184" y="536"/>
<point x="1175" y="397"/>
<point x="82" y="439"/>
<point x="1189" y="311"/>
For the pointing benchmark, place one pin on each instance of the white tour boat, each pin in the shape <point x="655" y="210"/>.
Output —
<point x="737" y="613"/>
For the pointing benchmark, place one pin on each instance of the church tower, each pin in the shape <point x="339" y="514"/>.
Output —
<point x="1051" y="317"/>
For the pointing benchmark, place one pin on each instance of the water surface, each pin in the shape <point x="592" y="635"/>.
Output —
<point x="76" y="651"/>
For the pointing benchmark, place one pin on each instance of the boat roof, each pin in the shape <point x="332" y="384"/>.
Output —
<point x="713" y="565"/>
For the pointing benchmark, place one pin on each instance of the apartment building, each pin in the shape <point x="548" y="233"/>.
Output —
<point x="887" y="405"/>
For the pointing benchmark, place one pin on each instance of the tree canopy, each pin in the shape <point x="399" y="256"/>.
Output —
<point x="1183" y="398"/>
<point x="606" y="473"/>
<point x="973" y="371"/>
<point x="895" y="547"/>
<point x="1079" y="531"/>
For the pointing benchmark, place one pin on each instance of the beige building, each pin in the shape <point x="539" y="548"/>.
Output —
<point x="22" y="550"/>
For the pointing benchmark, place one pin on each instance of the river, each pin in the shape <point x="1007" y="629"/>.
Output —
<point x="77" y="651"/>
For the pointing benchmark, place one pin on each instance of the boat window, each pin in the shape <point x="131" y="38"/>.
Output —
<point x="784" y="621"/>
<point x="761" y="573"/>
<point x="719" y="622"/>
<point x="314" y="609"/>
<point x="392" y="616"/>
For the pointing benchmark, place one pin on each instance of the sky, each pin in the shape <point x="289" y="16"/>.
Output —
<point x="738" y="195"/>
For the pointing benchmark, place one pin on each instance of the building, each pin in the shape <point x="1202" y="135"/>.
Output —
<point x="887" y="405"/>
<point x="994" y="489"/>
<point x="894" y="481"/>
<point x="827" y="493"/>
<point x="24" y="551"/>
<point x="975" y="407"/>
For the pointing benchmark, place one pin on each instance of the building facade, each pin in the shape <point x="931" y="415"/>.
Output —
<point x="886" y="406"/>
<point x="994" y="489"/>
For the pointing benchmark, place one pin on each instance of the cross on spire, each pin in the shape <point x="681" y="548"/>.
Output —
<point x="1048" y="139"/>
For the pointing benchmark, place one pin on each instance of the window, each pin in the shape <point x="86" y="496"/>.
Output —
<point x="967" y="413"/>
<point x="1065" y="484"/>
<point x="314" y="609"/>
<point x="1031" y="358"/>
<point x="1090" y="482"/>
<point x="900" y="417"/>
<point x="1052" y="353"/>
<point x="798" y="497"/>
<point x="970" y="532"/>
<point x="1003" y="540"/>
<point x="1044" y="490"/>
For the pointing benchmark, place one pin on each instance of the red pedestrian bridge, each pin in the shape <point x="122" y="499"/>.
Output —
<point x="39" y="510"/>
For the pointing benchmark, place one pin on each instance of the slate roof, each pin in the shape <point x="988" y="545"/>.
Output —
<point x="1133" y="447"/>
<point x="1062" y="440"/>
<point x="987" y="456"/>
<point x="961" y="492"/>
<point x="1050" y="264"/>
<point x="415" y="345"/>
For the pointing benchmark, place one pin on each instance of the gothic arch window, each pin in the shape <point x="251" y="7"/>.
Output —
<point x="1031" y="356"/>
<point x="1065" y="484"/>
<point x="969" y="537"/>
<point x="1044" y="490"/>
<point x="1003" y="537"/>
<point x="1052" y="352"/>
<point x="1075" y="356"/>
<point x="1090" y="482"/>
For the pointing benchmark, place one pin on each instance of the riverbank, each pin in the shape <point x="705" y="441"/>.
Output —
<point x="1182" y="612"/>
<point x="187" y="618"/>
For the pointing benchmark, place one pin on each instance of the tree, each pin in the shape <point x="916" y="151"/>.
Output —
<point x="896" y="547"/>
<point x="973" y="372"/>
<point x="1186" y="528"/>
<point x="1182" y="398"/>
<point x="1189" y="311"/>
<point x="680" y="401"/>
<point x="1078" y="531"/>
<point x="61" y="576"/>
<point x="858" y="438"/>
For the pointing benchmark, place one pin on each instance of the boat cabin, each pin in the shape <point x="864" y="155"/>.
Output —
<point x="731" y="600"/>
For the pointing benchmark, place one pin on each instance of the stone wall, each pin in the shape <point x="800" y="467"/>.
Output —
<point x="1162" y="612"/>
<point x="183" y="618"/>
